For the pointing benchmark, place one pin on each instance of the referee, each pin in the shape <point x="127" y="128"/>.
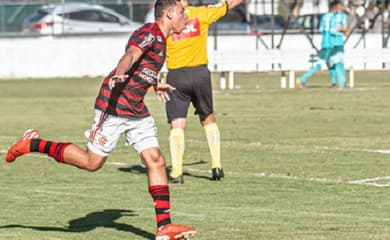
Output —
<point x="188" y="73"/>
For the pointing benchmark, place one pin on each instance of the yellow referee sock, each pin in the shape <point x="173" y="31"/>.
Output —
<point x="213" y="140"/>
<point x="176" y="144"/>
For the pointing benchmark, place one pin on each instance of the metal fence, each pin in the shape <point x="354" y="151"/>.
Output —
<point x="251" y="17"/>
<point x="12" y="13"/>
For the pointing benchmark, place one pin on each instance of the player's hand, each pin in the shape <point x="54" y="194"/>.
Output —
<point x="346" y="32"/>
<point x="117" y="78"/>
<point x="162" y="90"/>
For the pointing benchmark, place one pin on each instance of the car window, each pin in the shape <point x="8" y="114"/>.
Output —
<point x="92" y="16"/>
<point x="38" y="15"/>
<point x="106" y="17"/>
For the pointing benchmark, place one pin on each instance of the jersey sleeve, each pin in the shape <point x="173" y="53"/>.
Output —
<point x="214" y="12"/>
<point x="143" y="40"/>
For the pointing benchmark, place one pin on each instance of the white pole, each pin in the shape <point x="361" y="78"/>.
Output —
<point x="231" y="80"/>
<point x="283" y="80"/>
<point x="222" y="81"/>
<point x="351" y="78"/>
<point x="291" y="79"/>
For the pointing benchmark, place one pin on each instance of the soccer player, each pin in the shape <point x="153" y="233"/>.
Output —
<point x="188" y="73"/>
<point x="326" y="47"/>
<point x="339" y="31"/>
<point x="120" y="109"/>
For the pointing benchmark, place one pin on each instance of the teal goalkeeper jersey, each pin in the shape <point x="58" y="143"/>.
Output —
<point x="325" y="28"/>
<point x="339" y="20"/>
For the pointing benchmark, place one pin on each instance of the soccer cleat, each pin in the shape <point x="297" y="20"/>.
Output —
<point x="22" y="146"/>
<point x="175" y="231"/>
<point x="176" y="180"/>
<point x="217" y="173"/>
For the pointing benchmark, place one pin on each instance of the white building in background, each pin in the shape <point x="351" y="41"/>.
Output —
<point x="264" y="7"/>
<point x="261" y="7"/>
<point x="312" y="6"/>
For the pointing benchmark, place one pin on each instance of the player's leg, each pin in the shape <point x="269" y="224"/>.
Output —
<point x="62" y="152"/>
<point x="145" y="141"/>
<point x="177" y="147"/>
<point x="100" y="145"/>
<point x="338" y="60"/>
<point x="214" y="142"/>
<point x="323" y="56"/>
<point x="177" y="109"/>
<point x="303" y="79"/>
<point x="159" y="190"/>
<point x="333" y="76"/>
<point x="203" y="103"/>
<point x="331" y="67"/>
<point x="341" y="69"/>
<point x="340" y="72"/>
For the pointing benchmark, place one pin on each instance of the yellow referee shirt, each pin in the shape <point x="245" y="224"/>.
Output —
<point x="189" y="48"/>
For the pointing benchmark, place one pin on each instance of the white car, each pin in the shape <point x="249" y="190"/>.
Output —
<point x="76" y="18"/>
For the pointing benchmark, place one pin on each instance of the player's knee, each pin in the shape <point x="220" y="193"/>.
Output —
<point x="94" y="164"/>
<point x="154" y="160"/>
<point x="158" y="161"/>
<point x="93" y="167"/>
<point x="207" y="119"/>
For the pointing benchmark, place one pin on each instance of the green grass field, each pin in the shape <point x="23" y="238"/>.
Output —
<point x="299" y="164"/>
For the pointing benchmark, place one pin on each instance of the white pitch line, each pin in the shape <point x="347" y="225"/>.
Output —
<point x="372" y="181"/>
<point x="194" y="140"/>
<point x="384" y="151"/>
<point x="274" y="175"/>
<point x="366" y="182"/>
<point x="117" y="163"/>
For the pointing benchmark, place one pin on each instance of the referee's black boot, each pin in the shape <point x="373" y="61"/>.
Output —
<point x="217" y="174"/>
<point x="176" y="180"/>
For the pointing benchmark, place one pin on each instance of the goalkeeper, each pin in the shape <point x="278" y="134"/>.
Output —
<point x="326" y="47"/>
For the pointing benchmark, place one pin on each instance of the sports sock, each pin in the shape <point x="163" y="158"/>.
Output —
<point x="213" y="140"/>
<point x="160" y="195"/>
<point x="177" y="144"/>
<point x="53" y="149"/>
<point x="332" y="73"/>
<point x="340" y="72"/>
<point x="310" y="73"/>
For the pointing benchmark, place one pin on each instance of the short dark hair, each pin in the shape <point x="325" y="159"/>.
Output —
<point x="161" y="5"/>
<point x="334" y="3"/>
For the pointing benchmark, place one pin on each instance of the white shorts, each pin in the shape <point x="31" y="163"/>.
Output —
<point x="141" y="133"/>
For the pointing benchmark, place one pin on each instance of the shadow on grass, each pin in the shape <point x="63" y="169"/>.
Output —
<point x="91" y="221"/>
<point x="140" y="169"/>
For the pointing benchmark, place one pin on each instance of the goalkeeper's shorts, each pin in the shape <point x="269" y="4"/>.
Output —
<point x="324" y="57"/>
<point x="337" y="55"/>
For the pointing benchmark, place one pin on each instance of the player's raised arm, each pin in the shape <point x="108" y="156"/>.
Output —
<point x="233" y="3"/>
<point x="124" y="65"/>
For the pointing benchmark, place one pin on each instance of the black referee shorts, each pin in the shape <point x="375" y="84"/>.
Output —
<point x="193" y="84"/>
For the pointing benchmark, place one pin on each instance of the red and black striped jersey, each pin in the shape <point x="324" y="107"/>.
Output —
<point x="127" y="99"/>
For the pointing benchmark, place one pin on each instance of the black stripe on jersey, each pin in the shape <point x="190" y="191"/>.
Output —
<point x="136" y="105"/>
